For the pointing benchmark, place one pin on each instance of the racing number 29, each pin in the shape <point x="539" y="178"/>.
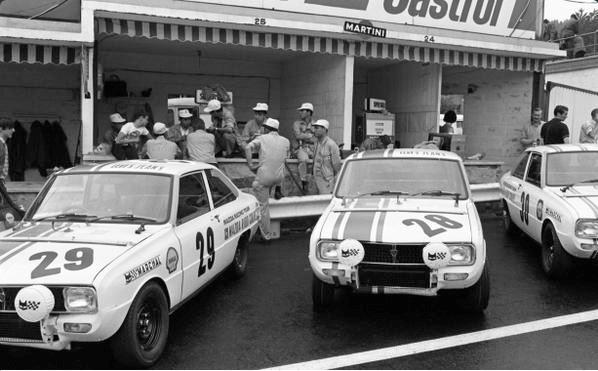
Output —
<point x="200" y="245"/>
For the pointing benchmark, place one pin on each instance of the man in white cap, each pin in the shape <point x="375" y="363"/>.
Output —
<point x="303" y="141"/>
<point x="273" y="151"/>
<point x="161" y="148"/>
<point x="116" y="123"/>
<point x="224" y="127"/>
<point x="253" y="128"/>
<point x="327" y="159"/>
<point x="178" y="133"/>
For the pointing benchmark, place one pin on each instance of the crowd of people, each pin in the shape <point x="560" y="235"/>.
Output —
<point x="555" y="131"/>
<point x="568" y="37"/>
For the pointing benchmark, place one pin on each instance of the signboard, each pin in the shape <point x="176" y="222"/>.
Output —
<point x="379" y="126"/>
<point x="375" y="105"/>
<point x="497" y="17"/>
<point x="365" y="28"/>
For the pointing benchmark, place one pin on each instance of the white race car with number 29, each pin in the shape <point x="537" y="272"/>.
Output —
<point x="552" y="196"/>
<point x="108" y="251"/>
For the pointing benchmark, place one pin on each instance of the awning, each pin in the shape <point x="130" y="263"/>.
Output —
<point x="45" y="54"/>
<point x="368" y="49"/>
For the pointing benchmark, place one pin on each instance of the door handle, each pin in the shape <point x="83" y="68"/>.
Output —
<point x="519" y="186"/>
<point x="216" y="217"/>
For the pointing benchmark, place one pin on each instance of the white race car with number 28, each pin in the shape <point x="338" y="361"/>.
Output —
<point x="401" y="222"/>
<point x="108" y="251"/>
<point x="552" y="196"/>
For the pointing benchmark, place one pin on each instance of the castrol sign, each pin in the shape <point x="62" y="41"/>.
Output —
<point x="515" y="18"/>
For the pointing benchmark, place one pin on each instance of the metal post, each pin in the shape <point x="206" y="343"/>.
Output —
<point x="595" y="34"/>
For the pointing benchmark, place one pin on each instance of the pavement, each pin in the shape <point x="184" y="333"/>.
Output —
<point x="266" y="320"/>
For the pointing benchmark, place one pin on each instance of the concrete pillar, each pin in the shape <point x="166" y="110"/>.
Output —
<point x="348" y="102"/>
<point x="87" y="99"/>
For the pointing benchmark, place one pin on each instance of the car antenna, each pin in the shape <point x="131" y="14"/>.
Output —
<point x="457" y="199"/>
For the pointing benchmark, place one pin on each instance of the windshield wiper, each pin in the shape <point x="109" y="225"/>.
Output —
<point x="438" y="193"/>
<point x="382" y="193"/>
<point x="565" y="188"/>
<point x="63" y="216"/>
<point x="124" y="217"/>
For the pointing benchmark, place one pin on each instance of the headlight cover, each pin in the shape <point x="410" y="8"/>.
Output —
<point x="327" y="250"/>
<point x="80" y="299"/>
<point x="462" y="254"/>
<point x="586" y="228"/>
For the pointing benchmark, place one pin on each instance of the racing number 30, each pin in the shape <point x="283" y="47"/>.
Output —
<point x="524" y="213"/>
<point x="200" y="244"/>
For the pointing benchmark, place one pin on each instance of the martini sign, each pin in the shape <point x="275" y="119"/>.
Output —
<point x="497" y="17"/>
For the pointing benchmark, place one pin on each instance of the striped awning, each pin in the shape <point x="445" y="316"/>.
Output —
<point x="368" y="49"/>
<point x="45" y="54"/>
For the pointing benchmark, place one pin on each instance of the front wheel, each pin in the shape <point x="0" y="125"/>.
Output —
<point x="142" y="337"/>
<point x="476" y="297"/>
<point x="556" y="262"/>
<point x="322" y="294"/>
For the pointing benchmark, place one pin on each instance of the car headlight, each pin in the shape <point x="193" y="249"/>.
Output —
<point x="586" y="228"/>
<point x="327" y="250"/>
<point x="462" y="254"/>
<point x="80" y="299"/>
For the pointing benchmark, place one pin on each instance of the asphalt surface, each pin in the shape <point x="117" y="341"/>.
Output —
<point x="266" y="319"/>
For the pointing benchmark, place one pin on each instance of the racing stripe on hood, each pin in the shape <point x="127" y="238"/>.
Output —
<point x="32" y="231"/>
<point x="6" y="246"/>
<point x="375" y="225"/>
<point x="15" y="250"/>
<point x="587" y="201"/>
<point x="359" y="225"/>
<point x="380" y="225"/>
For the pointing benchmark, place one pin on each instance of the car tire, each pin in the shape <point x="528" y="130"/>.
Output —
<point x="476" y="297"/>
<point x="510" y="227"/>
<point x="322" y="295"/>
<point x="239" y="265"/>
<point x="142" y="337"/>
<point x="556" y="262"/>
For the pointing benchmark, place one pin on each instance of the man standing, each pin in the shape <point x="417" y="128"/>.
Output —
<point x="530" y="133"/>
<point x="161" y="148"/>
<point x="327" y="159"/>
<point x="254" y="128"/>
<point x="116" y="123"/>
<point x="201" y="144"/>
<point x="273" y="151"/>
<point x="224" y="127"/>
<point x="555" y="131"/>
<point x="178" y="133"/>
<point x="127" y="140"/>
<point x="7" y="128"/>
<point x="589" y="130"/>
<point x="303" y="140"/>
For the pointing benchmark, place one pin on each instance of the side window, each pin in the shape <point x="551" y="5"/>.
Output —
<point x="520" y="168"/>
<point x="221" y="189"/>
<point x="193" y="198"/>
<point x="534" y="173"/>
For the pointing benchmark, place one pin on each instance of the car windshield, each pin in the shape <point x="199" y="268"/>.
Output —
<point x="416" y="176"/>
<point x="99" y="196"/>
<point x="566" y="168"/>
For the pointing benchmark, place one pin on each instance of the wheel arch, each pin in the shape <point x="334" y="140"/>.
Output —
<point x="545" y="225"/>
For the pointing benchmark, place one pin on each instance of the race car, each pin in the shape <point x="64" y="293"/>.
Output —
<point x="552" y="196"/>
<point x="401" y="221"/>
<point x="10" y="212"/>
<point x="109" y="251"/>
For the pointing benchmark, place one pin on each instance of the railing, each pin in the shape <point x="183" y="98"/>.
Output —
<point x="590" y="44"/>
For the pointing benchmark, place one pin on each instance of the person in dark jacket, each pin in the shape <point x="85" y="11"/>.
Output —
<point x="17" y="147"/>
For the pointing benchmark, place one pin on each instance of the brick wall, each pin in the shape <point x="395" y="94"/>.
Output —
<point x="319" y="79"/>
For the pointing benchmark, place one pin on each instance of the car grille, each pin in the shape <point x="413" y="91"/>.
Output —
<point x="393" y="254"/>
<point x="14" y="330"/>
<point x="394" y="275"/>
<point x="8" y="294"/>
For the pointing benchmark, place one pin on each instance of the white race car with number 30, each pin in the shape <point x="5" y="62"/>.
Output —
<point x="108" y="251"/>
<point x="552" y="196"/>
<point x="401" y="222"/>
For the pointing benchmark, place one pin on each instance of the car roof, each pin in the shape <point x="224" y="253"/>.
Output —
<point x="554" y="148"/>
<point x="170" y="167"/>
<point x="405" y="153"/>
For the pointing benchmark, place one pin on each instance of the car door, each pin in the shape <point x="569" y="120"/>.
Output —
<point x="513" y="189"/>
<point x="195" y="226"/>
<point x="531" y="197"/>
<point x="229" y="215"/>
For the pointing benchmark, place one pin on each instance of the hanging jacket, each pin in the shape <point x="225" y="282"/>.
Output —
<point x="17" y="150"/>
<point x="58" y="147"/>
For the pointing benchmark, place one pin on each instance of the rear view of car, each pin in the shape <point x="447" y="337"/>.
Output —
<point x="401" y="222"/>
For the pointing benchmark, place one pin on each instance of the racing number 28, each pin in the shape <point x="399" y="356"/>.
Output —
<point x="441" y="220"/>
<point x="200" y="244"/>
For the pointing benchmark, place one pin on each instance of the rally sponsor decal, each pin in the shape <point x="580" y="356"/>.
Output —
<point x="365" y="28"/>
<point x="136" y="166"/>
<point x="240" y="221"/>
<point x="172" y="259"/>
<point x="142" y="269"/>
<point x="539" y="208"/>
<point x="553" y="214"/>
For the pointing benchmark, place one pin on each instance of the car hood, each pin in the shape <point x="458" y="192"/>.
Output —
<point x="392" y="220"/>
<point x="66" y="253"/>
<point x="582" y="198"/>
